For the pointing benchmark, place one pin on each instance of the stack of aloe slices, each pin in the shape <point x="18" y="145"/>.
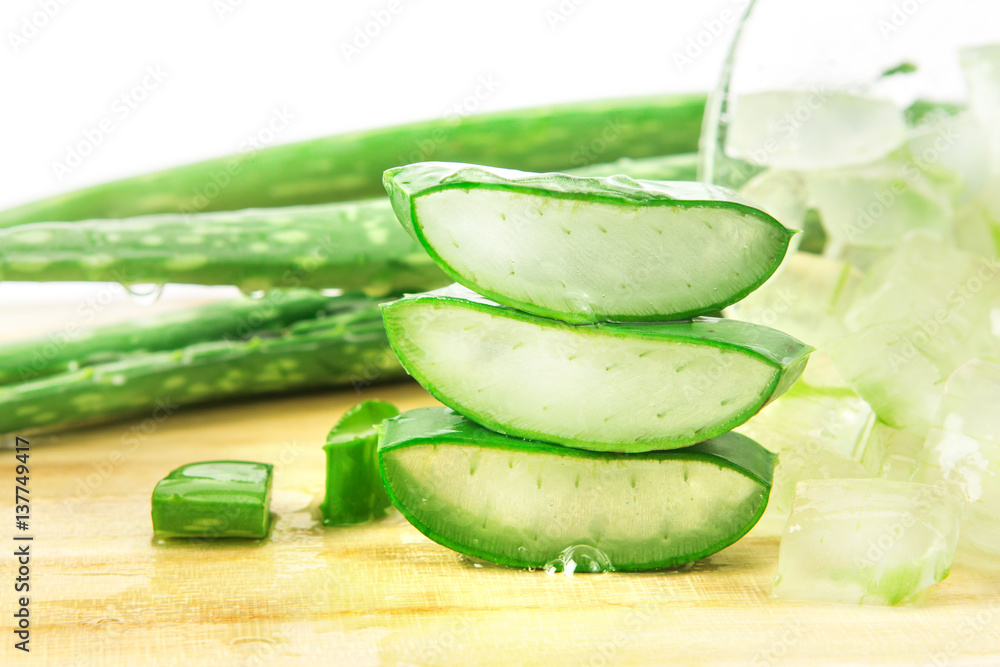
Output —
<point x="585" y="414"/>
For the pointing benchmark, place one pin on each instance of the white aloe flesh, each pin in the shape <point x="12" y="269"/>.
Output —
<point x="860" y="541"/>
<point x="588" y="249"/>
<point x="524" y="503"/>
<point x="612" y="387"/>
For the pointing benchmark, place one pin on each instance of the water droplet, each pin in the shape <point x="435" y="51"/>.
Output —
<point x="118" y="379"/>
<point x="144" y="294"/>
<point x="254" y="294"/>
<point x="581" y="558"/>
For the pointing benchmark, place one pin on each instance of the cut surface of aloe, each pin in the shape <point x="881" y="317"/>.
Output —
<point x="611" y="387"/>
<point x="588" y="249"/>
<point x="523" y="503"/>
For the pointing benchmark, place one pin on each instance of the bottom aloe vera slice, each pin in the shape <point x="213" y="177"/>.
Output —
<point x="524" y="503"/>
<point x="610" y="387"/>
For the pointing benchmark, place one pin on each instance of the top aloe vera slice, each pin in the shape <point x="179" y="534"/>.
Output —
<point x="524" y="504"/>
<point x="349" y="166"/>
<point x="588" y="249"/>
<point x="620" y="387"/>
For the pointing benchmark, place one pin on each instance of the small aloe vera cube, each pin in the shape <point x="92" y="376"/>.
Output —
<point x="895" y="370"/>
<point x="214" y="499"/>
<point x="963" y="448"/>
<point x="588" y="249"/>
<point x="813" y="129"/>
<point x="893" y="453"/>
<point x="530" y="504"/>
<point x="834" y="419"/>
<point x="866" y="541"/>
<point x="622" y="387"/>
<point x="875" y="205"/>
<point x="354" y="491"/>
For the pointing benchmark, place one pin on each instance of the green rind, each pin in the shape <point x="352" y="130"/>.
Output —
<point x="442" y="426"/>
<point x="350" y="166"/>
<point x="178" y="499"/>
<point x="345" y="347"/>
<point x="408" y="183"/>
<point x="354" y="490"/>
<point x="787" y="355"/>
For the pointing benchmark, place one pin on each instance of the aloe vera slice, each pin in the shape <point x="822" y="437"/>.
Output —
<point x="626" y="387"/>
<point x="587" y="249"/>
<point x="523" y="503"/>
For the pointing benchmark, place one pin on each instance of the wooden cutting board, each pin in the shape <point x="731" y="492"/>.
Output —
<point x="104" y="592"/>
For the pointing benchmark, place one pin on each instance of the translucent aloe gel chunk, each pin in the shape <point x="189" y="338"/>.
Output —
<point x="963" y="449"/>
<point x="866" y="541"/>
<point x="813" y="129"/>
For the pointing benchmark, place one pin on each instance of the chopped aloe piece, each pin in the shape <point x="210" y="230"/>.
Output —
<point x="874" y="206"/>
<point x="584" y="249"/>
<point x="957" y="143"/>
<point x="893" y="453"/>
<point x="813" y="129"/>
<point x="921" y="311"/>
<point x="214" y="499"/>
<point x="866" y="541"/>
<point x="807" y="462"/>
<point x="981" y="66"/>
<point x="613" y="387"/>
<point x="354" y="491"/>
<point x="895" y="372"/>
<point x="944" y="296"/>
<point x="806" y="417"/>
<point x="963" y="448"/>
<point x="806" y="298"/>
<point x="524" y="503"/>
<point x="781" y="193"/>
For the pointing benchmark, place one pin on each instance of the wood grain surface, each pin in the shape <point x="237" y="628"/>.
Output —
<point x="104" y="592"/>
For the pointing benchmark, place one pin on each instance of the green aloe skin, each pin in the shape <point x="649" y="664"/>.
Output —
<point x="524" y="503"/>
<point x="345" y="346"/>
<point x="214" y="499"/>
<point x="588" y="248"/>
<point x="354" y="491"/>
<point x="622" y="387"/>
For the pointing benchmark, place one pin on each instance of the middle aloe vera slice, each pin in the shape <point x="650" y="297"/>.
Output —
<point x="525" y="503"/>
<point x="588" y="249"/>
<point x="621" y="387"/>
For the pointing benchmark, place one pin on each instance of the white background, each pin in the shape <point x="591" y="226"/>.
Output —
<point x="227" y="67"/>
